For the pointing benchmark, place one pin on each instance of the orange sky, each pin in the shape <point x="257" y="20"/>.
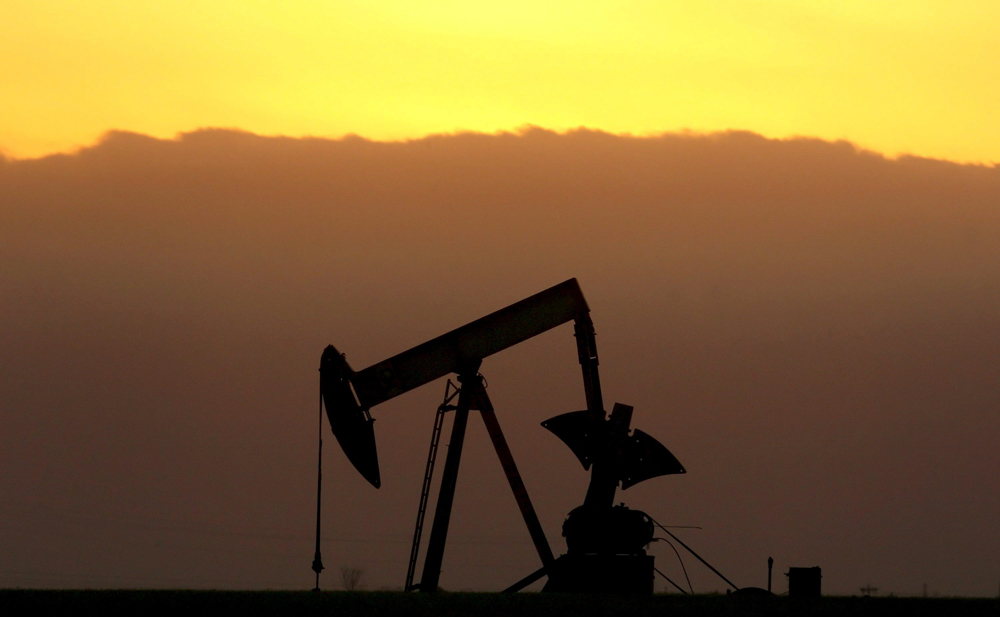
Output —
<point x="919" y="76"/>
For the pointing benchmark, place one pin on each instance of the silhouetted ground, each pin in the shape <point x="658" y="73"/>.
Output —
<point x="141" y="602"/>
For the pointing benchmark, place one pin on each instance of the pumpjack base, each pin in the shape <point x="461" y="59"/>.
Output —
<point x="602" y="573"/>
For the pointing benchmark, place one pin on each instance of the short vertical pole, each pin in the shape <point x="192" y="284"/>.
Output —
<point x="770" y="565"/>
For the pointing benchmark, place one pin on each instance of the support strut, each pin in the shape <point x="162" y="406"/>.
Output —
<point x="442" y="513"/>
<point x="513" y="476"/>
<point x="450" y="392"/>
<point x="473" y="396"/>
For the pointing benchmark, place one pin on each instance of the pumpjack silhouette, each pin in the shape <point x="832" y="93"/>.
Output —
<point x="605" y="543"/>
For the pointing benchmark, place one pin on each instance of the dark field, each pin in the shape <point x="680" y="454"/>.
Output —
<point x="139" y="602"/>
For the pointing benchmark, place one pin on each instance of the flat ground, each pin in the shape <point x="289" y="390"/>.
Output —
<point x="334" y="603"/>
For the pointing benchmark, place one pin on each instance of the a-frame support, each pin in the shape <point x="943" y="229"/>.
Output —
<point x="473" y="397"/>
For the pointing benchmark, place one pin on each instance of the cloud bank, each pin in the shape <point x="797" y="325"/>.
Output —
<point x="811" y="328"/>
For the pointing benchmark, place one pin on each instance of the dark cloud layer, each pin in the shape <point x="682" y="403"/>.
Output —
<point x="812" y="329"/>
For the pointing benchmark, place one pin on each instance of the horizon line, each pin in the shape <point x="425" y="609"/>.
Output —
<point x="519" y="131"/>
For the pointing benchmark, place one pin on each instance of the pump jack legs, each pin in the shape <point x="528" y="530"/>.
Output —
<point x="473" y="397"/>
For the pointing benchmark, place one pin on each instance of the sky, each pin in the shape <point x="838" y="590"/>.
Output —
<point x="812" y="329"/>
<point x="895" y="76"/>
<point x="784" y="217"/>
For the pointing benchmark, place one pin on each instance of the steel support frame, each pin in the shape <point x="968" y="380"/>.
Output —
<point x="473" y="397"/>
<point x="446" y="494"/>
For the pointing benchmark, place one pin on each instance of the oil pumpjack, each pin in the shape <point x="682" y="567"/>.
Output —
<point x="605" y="543"/>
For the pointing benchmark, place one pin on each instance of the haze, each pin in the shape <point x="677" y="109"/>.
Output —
<point x="811" y="328"/>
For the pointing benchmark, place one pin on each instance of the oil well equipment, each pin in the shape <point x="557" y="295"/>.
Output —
<point x="606" y="543"/>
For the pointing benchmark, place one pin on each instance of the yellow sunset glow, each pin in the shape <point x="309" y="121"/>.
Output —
<point x="913" y="76"/>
